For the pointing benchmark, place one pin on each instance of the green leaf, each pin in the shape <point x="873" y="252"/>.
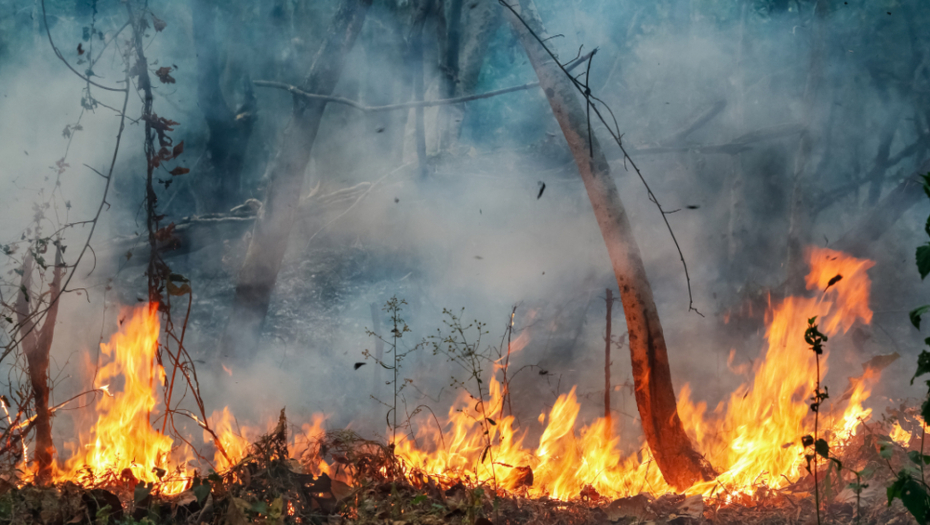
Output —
<point x="142" y="491"/>
<point x="885" y="449"/>
<point x="201" y="492"/>
<point x="927" y="226"/>
<point x="916" y="457"/>
<point x="923" y="365"/>
<point x="916" y="313"/>
<point x="259" y="507"/>
<point x="821" y="447"/>
<point x="923" y="260"/>
<point x="912" y="494"/>
<point x="419" y="499"/>
<point x="926" y="179"/>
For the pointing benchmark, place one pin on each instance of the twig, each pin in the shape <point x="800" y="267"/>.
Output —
<point x="415" y="104"/>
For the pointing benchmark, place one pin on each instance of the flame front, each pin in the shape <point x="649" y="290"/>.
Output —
<point x="122" y="437"/>
<point x="753" y="440"/>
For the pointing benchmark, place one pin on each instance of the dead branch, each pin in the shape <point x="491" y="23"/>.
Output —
<point x="192" y="234"/>
<point x="415" y="104"/>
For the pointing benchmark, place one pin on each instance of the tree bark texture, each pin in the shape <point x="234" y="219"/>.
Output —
<point x="478" y="24"/>
<point x="673" y="451"/>
<point x="799" y="221"/>
<point x="219" y="174"/>
<point x="36" y="344"/>
<point x="285" y="174"/>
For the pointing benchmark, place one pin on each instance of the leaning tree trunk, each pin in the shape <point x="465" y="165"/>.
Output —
<point x="675" y="456"/>
<point x="37" y="343"/>
<point x="286" y="175"/>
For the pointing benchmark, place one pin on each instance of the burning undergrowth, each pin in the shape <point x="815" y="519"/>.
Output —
<point x="479" y="464"/>
<point x="368" y="484"/>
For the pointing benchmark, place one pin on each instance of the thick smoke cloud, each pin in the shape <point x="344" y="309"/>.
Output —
<point x="477" y="233"/>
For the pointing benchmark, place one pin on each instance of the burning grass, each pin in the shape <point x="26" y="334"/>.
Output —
<point x="368" y="484"/>
<point x="476" y="466"/>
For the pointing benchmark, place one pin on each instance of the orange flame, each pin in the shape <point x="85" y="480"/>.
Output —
<point x="123" y="441"/>
<point x="753" y="440"/>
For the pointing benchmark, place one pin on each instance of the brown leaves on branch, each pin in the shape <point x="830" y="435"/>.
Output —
<point x="158" y="23"/>
<point x="164" y="234"/>
<point x="164" y="154"/>
<point x="164" y="74"/>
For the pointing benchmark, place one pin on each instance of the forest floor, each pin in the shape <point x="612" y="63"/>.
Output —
<point x="270" y="486"/>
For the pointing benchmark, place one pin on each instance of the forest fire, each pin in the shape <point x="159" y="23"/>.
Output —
<point x="753" y="439"/>
<point x="121" y="445"/>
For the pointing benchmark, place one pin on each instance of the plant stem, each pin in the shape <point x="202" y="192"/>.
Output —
<point x="816" y="421"/>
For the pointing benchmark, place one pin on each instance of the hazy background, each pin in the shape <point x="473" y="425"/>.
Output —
<point x="474" y="234"/>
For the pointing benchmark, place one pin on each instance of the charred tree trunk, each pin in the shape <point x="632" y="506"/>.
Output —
<point x="37" y="344"/>
<point x="286" y="176"/>
<point x="800" y="216"/>
<point x="220" y="171"/>
<point x="478" y="25"/>
<point x="674" y="453"/>
<point x="414" y="56"/>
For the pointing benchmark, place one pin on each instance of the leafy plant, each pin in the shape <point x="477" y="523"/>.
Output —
<point x="462" y="345"/>
<point x="910" y="486"/>
<point x="393" y="306"/>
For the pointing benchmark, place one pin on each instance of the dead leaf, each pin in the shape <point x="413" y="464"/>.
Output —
<point x="176" y="290"/>
<point x="235" y="514"/>
<point x="158" y="23"/>
<point x="633" y="507"/>
<point x="164" y="74"/>
<point x="692" y="507"/>
<point x="340" y="490"/>
<point x="178" y="149"/>
<point x="179" y="171"/>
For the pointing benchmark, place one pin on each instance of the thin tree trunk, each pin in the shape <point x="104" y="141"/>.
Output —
<point x="415" y="64"/>
<point x="673" y="451"/>
<point x="479" y="23"/>
<point x="286" y="176"/>
<point x="220" y="173"/>
<point x="799" y="221"/>
<point x="607" y="416"/>
<point x="877" y="175"/>
<point x="37" y="344"/>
